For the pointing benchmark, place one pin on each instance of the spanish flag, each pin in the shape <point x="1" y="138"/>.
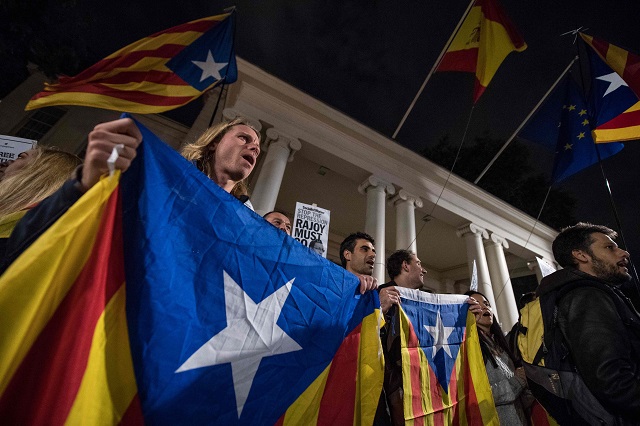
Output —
<point x="163" y="299"/>
<point x="158" y="73"/>
<point x="482" y="42"/>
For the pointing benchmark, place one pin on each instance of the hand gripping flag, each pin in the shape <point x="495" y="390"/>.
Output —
<point x="563" y="125"/>
<point x="482" y="42"/>
<point x="158" y="73"/>
<point x="228" y="320"/>
<point x="618" y="72"/>
<point x="444" y="378"/>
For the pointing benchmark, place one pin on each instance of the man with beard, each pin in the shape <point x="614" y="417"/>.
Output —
<point x="600" y="327"/>
<point x="358" y="256"/>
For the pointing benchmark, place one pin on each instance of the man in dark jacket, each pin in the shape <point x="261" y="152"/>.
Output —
<point x="600" y="327"/>
<point x="405" y="270"/>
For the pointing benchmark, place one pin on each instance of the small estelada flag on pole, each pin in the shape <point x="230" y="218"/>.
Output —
<point x="623" y="126"/>
<point x="158" y="73"/>
<point x="483" y="41"/>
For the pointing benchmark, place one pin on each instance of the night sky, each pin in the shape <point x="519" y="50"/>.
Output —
<point x="368" y="59"/>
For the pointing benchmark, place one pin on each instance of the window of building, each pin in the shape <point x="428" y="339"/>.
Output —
<point x="40" y="122"/>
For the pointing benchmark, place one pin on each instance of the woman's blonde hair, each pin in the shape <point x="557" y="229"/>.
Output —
<point x="45" y="172"/>
<point x="202" y="154"/>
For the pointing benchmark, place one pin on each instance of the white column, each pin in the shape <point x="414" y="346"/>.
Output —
<point x="502" y="288"/>
<point x="376" y="190"/>
<point x="473" y="235"/>
<point x="280" y="150"/>
<point x="406" y="220"/>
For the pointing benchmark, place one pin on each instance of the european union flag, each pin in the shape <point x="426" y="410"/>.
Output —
<point x="563" y="123"/>
<point x="230" y="319"/>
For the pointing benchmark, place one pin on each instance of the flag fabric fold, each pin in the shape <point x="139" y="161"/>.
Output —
<point x="482" y="43"/>
<point x="623" y="62"/>
<point x="225" y="318"/>
<point x="64" y="348"/>
<point x="158" y="73"/>
<point x="230" y="318"/>
<point x="615" y="92"/>
<point x="444" y="378"/>
<point x="563" y="125"/>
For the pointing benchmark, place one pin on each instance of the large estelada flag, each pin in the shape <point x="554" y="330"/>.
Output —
<point x="158" y="73"/>
<point x="482" y="43"/>
<point x="165" y="300"/>
<point x="622" y="73"/>
<point x="444" y="377"/>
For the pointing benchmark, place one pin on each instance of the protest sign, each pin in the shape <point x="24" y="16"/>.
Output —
<point x="11" y="147"/>
<point x="311" y="227"/>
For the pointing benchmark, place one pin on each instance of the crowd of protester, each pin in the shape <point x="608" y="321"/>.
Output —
<point x="43" y="183"/>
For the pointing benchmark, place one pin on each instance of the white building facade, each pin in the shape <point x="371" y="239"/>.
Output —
<point x="312" y="153"/>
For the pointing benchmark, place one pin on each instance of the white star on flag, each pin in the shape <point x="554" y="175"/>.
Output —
<point x="210" y="68"/>
<point x="251" y="334"/>
<point x="615" y="81"/>
<point x="440" y="335"/>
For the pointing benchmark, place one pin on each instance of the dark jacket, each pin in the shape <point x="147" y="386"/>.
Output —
<point x="603" y="340"/>
<point x="392" y="396"/>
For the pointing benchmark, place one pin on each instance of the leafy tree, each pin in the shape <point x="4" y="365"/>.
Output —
<point x="511" y="178"/>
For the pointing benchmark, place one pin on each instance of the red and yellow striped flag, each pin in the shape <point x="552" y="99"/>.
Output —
<point x="623" y="62"/>
<point x="625" y="126"/>
<point x="444" y="377"/>
<point x="483" y="41"/>
<point x="348" y="390"/>
<point x="158" y="73"/>
<point x="64" y="339"/>
<point x="8" y="222"/>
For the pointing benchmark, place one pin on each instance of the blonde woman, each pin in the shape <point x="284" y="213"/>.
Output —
<point x="226" y="153"/>
<point x="31" y="178"/>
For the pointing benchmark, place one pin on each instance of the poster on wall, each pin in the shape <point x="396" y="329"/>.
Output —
<point x="311" y="227"/>
<point x="11" y="147"/>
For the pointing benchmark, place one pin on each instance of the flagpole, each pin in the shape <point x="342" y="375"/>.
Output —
<point x="616" y="217"/>
<point x="608" y="186"/>
<point x="526" y="120"/>
<point x="231" y="10"/>
<point x="433" y="70"/>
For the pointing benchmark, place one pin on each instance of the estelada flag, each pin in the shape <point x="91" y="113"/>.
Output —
<point x="624" y="125"/>
<point x="158" y="73"/>
<point x="226" y="319"/>
<point x="482" y="42"/>
<point x="443" y="373"/>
